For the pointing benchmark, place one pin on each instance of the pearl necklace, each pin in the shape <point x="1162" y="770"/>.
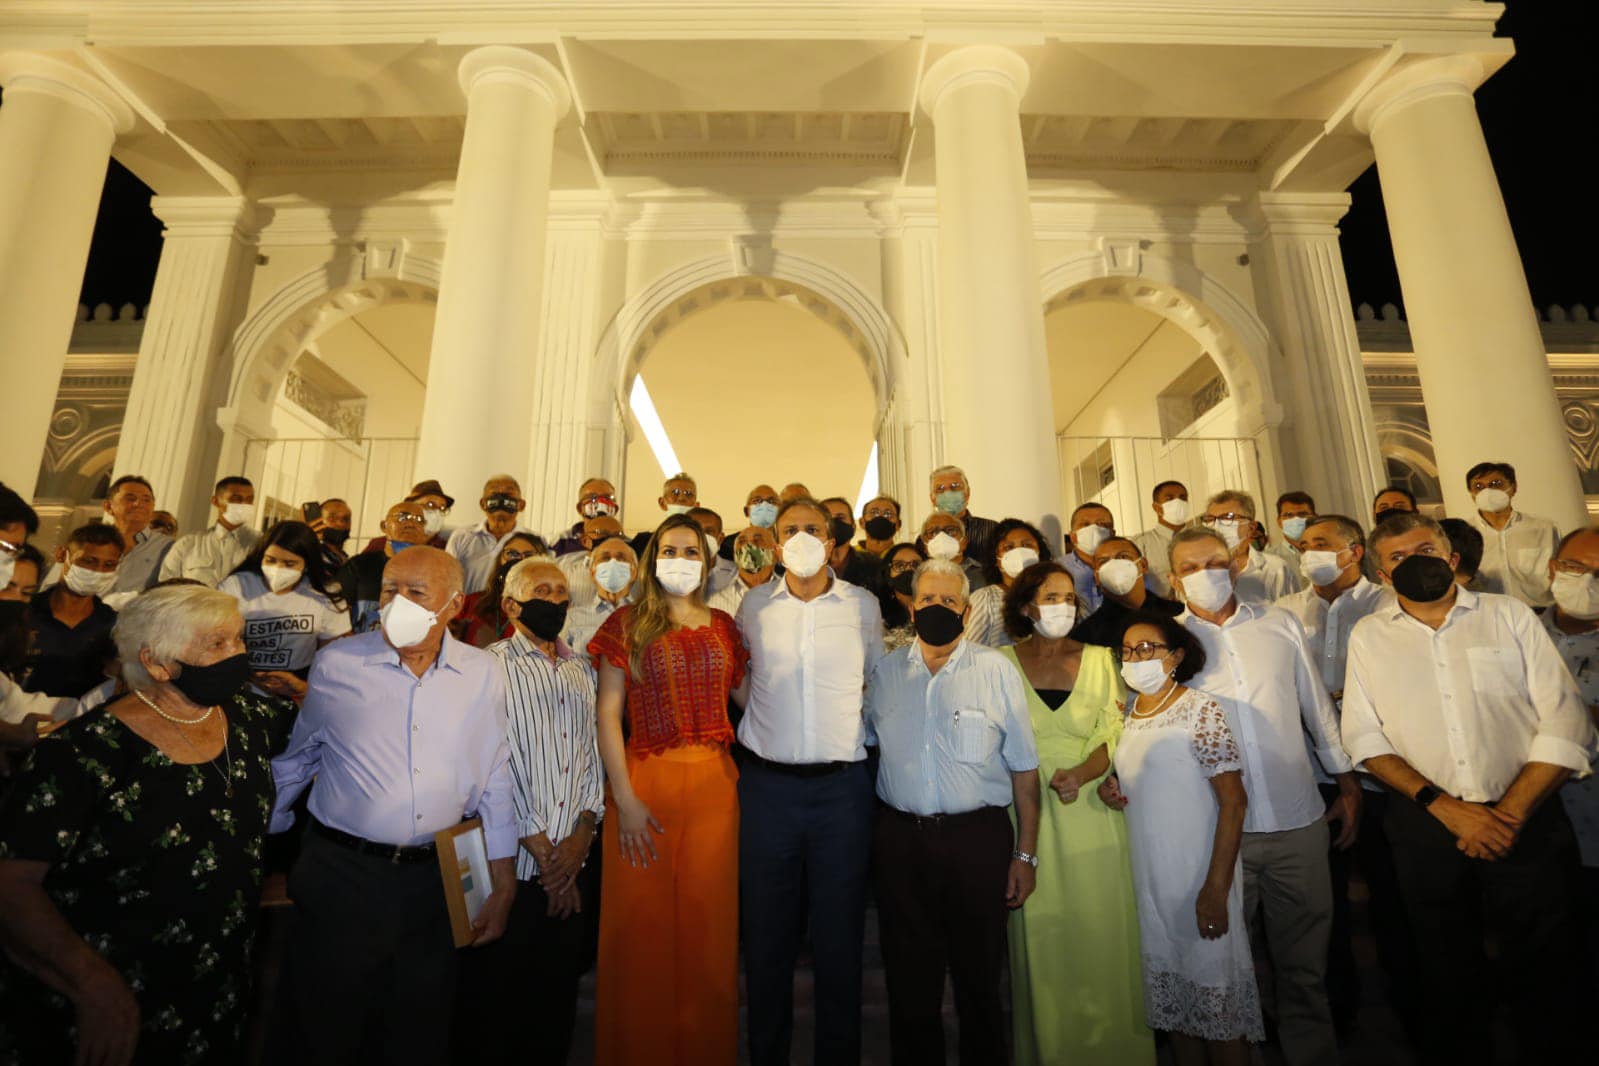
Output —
<point x="1161" y="706"/>
<point x="227" y="753"/>
<point x="148" y="702"/>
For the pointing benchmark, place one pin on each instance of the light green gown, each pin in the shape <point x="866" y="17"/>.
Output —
<point x="1076" y="978"/>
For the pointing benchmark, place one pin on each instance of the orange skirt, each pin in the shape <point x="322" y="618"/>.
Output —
<point x="667" y="990"/>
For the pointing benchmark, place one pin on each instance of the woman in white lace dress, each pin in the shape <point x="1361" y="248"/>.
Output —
<point x="1179" y="770"/>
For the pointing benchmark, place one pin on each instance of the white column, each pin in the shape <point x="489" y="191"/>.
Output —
<point x="1484" y="372"/>
<point x="56" y="132"/>
<point x="202" y="285"/>
<point x="999" y="426"/>
<point x="1335" y="456"/>
<point x="486" y="334"/>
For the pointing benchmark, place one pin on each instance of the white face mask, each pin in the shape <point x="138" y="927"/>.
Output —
<point x="89" y="582"/>
<point x="1090" y="537"/>
<point x="1209" y="590"/>
<point x="1118" y="576"/>
<point x="1294" y="528"/>
<point x="803" y="555"/>
<point x="239" y="514"/>
<point x="433" y="522"/>
<point x="678" y="508"/>
<point x="1055" y="620"/>
<point x="279" y="578"/>
<point x="8" y="566"/>
<point x="680" y="577"/>
<point x="1175" y="511"/>
<point x="613" y="575"/>
<point x="1577" y="595"/>
<point x="1320" y="568"/>
<point x="1016" y="560"/>
<point x="712" y="545"/>
<point x="405" y="622"/>
<point x="1492" y="501"/>
<point x="1147" y="677"/>
<point x="1231" y="530"/>
<point x="942" y="546"/>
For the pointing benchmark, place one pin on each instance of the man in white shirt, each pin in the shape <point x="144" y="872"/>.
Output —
<point x="1294" y="512"/>
<point x="1170" y="504"/>
<point x="477" y="548"/>
<point x="1516" y="547"/>
<point x="1335" y="597"/>
<point x="210" y="555"/>
<point x="1259" y="666"/>
<point x="755" y="556"/>
<point x="1264" y="578"/>
<point x="1573" y="624"/>
<point x="1459" y="702"/>
<point x="578" y="564"/>
<point x="609" y="573"/>
<point x="804" y="790"/>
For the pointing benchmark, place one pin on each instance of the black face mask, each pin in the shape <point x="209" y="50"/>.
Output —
<point x="502" y="503"/>
<point x="543" y="619"/>
<point x="937" y="625"/>
<point x="335" y="537"/>
<point x="842" y="532"/>
<point x="207" y="686"/>
<point x="880" y="528"/>
<point x="902" y="582"/>
<point x="1423" y="578"/>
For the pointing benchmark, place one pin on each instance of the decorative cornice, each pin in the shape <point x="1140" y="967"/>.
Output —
<point x="207" y="216"/>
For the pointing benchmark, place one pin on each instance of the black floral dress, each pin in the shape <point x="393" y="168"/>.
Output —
<point x="157" y="870"/>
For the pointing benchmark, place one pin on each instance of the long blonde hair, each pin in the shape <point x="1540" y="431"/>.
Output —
<point x="650" y="617"/>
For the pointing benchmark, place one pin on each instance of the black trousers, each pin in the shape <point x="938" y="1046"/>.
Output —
<point x="516" y="1000"/>
<point x="941" y="905"/>
<point x="1529" y="903"/>
<point x="370" y="975"/>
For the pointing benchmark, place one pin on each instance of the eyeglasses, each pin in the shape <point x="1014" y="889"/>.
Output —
<point x="1562" y="566"/>
<point x="1143" y="651"/>
<point x="902" y="567"/>
<point x="407" y="516"/>
<point x="949" y="486"/>
<point x="428" y="506"/>
<point x="514" y="556"/>
<point x="1496" y="483"/>
<point x="879" y="512"/>
<point x="1230" y="516"/>
<point x="679" y="494"/>
<point x="8" y="548"/>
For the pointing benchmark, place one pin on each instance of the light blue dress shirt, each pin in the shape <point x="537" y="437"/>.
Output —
<point x="951" y="740"/>
<point x="398" y="757"/>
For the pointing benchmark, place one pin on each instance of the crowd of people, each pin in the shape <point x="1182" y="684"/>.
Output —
<point x="1113" y="791"/>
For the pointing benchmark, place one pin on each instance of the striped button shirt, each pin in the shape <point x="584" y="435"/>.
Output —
<point x="555" y="755"/>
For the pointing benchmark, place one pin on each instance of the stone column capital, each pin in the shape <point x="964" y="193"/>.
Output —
<point x="518" y="66"/>
<point x="1301" y="214"/>
<point x="977" y="64"/>
<point x="208" y="216"/>
<point x="1422" y="79"/>
<point x="24" y="72"/>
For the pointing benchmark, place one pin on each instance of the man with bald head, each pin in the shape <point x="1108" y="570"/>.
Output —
<point x="760" y="506"/>
<point x="478" y="547"/>
<point x="595" y="497"/>
<point x="402" y="734"/>
<point x="361" y="577"/>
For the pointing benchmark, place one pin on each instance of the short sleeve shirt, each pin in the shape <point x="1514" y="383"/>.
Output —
<point x="282" y="631"/>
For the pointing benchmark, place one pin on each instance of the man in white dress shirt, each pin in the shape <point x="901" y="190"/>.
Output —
<point x="210" y="555"/>
<point x="1294" y="512"/>
<point x="1336" y="596"/>
<point x="1459" y="702"/>
<point x="1169" y="500"/>
<point x="578" y="564"/>
<point x="1259" y="667"/>
<point x="755" y="556"/>
<point x="1516" y="546"/>
<point x="609" y="574"/>
<point x="1264" y="578"/>
<point x="477" y="548"/>
<point x="804" y="792"/>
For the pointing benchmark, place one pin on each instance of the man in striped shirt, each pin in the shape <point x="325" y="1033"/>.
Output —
<point x="558" y="794"/>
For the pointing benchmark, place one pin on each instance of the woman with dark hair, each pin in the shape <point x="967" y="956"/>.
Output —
<point x="898" y="571"/>
<point x="482" y="620"/>
<point x="668" y="958"/>
<point x="1086" y="1004"/>
<point x="291" y="607"/>
<point x="1017" y="545"/>
<point x="1180" y="773"/>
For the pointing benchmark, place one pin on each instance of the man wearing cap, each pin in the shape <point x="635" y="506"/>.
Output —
<point x="477" y="547"/>
<point x="435" y="505"/>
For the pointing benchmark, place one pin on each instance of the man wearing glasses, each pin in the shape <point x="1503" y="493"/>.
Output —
<point x="361" y="577"/>
<point x="679" y="495"/>
<point x="1265" y="578"/>
<point x="1516" y="547"/>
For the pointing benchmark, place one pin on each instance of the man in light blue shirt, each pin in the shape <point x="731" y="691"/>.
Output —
<point x="404" y="732"/>
<point x="957" y="747"/>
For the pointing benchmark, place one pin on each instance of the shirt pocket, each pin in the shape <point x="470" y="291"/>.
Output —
<point x="1495" y="671"/>
<point x="1529" y="562"/>
<point x="975" y="737"/>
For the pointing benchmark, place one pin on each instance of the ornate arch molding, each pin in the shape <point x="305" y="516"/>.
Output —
<point x="1227" y="327"/>
<point x="267" y="342"/>
<point x="704" y="283"/>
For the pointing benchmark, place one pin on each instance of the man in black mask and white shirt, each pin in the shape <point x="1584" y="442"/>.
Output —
<point x="1459" y="702"/>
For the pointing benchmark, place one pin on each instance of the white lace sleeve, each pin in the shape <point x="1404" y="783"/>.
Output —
<point x="1214" y="746"/>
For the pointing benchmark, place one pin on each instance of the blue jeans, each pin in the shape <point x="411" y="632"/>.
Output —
<point x="804" y="852"/>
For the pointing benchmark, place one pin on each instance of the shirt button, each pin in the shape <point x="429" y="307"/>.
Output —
<point x="416" y="729"/>
<point x="417" y="770"/>
<point x="419" y="817"/>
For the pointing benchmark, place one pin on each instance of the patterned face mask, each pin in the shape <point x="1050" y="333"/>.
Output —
<point x="752" y="558"/>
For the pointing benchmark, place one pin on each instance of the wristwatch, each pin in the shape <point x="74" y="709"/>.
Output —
<point x="1022" y="856"/>
<point x="1425" y="796"/>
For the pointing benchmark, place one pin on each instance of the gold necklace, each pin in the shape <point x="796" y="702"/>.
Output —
<point x="148" y="702"/>
<point x="227" y="752"/>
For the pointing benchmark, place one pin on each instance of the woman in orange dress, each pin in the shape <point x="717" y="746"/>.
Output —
<point x="668" y="960"/>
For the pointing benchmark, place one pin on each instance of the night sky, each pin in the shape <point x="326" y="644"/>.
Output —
<point x="1538" y="116"/>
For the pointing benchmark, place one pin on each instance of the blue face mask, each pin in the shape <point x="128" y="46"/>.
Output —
<point x="398" y="546"/>
<point x="952" y="502"/>
<point x="1294" y="528"/>
<point x="763" y="514"/>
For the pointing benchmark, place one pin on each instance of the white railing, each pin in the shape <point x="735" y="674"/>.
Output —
<point x="369" y="473"/>
<point x="1122" y="472"/>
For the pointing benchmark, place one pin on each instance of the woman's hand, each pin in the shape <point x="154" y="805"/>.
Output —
<point x="1066" y="785"/>
<point x="281" y="683"/>
<point x="20" y="736"/>
<point x="108" y="1019"/>
<point x="1211" y="911"/>
<point x="635" y="829"/>
<point x="1110" y="793"/>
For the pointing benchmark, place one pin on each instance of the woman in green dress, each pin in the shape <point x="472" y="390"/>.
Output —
<point x="1076" y="980"/>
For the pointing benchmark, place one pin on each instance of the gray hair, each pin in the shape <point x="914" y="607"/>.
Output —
<point x="165" y="621"/>
<point x="940" y="514"/>
<point x="1242" y="500"/>
<point x="1190" y="533"/>
<point x="946" y="568"/>
<point x="1347" y="528"/>
<point x="944" y="471"/>
<point x="1397" y="525"/>
<point x="519" y="579"/>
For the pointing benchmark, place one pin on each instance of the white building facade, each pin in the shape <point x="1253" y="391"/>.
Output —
<point x="1075" y="247"/>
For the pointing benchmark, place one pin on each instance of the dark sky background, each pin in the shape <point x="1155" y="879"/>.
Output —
<point x="1537" y="114"/>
